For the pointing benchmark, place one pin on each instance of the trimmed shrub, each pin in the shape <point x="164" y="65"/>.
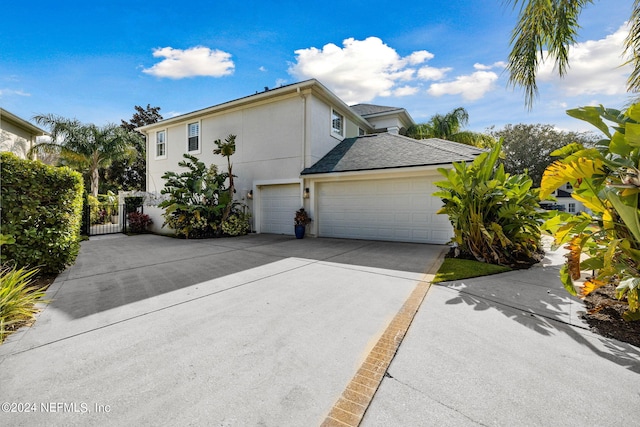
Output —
<point x="41" y="208"/>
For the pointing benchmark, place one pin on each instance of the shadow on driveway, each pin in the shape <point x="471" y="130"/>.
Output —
<point x="114" y="271"/>
<point x="536" y="299"/>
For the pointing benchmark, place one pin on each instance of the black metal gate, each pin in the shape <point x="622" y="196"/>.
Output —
<point x="103" y="218"/>
<point x="109" y="218"/>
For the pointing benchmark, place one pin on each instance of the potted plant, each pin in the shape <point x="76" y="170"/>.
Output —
<point x="300" y="222"/>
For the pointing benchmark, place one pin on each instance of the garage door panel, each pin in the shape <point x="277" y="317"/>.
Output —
<point x="278" y="206"/>
<point x="395" y="209"/>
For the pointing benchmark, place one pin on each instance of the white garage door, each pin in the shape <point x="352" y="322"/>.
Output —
<point x="401" y="210"/>
<point x="278" y="204"/>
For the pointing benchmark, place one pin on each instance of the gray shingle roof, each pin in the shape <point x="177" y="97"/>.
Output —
<point x="386" y="151"/>
<point x="366" y="109"/>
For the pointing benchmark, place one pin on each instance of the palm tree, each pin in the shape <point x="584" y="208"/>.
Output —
<point x="227" y="149"/>
<point x="449" y="127"/>
<point x="553" y="25"/>
<point x="85" y="147"/>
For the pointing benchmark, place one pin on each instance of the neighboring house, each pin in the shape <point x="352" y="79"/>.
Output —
<point x="564" y="202"/>
<point x="301" y="146"/>
<point x="17" y="135"/>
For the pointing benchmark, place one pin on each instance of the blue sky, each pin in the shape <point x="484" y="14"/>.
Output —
<point x="95" y="60"/>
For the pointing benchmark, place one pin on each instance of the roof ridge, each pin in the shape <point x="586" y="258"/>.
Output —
<point x="452" y="142"/>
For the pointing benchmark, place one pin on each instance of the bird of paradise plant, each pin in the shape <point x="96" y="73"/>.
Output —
<point x="606" y="179"/>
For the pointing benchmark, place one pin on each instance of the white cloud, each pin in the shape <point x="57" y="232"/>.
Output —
<point x="595" y="67"/>
<point x="484" y="67"/>
<point x="262" y="68"/>
<point x="432" y="73"/>
<point x="195" y="61"/>
<point x="360" y="70"/>
<point x="406" y="91"/>
<point x="9" y="92"/>
<point x="472" y="87"/>
<point x="419" y="57"/>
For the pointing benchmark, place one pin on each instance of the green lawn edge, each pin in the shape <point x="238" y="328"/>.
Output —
<point x="456" y="269"/>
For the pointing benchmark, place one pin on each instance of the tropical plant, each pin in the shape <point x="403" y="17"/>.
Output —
<point x="449" y="127"/>
<point x="494" y="215"/>
<point x="553" y="25"/>
<point x="17" y="298"/>
<point x="227" y="149"/>
<point x="197" y="199"/>
<point x="85" y="147"/>
<point x="606" y="179"/>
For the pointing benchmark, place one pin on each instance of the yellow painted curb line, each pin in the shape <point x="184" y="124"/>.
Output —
<point x="356" y="398"/>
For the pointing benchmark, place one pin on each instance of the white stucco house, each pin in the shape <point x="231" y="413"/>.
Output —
<point x="300" y="145"/>
<point x="17" y="135"/>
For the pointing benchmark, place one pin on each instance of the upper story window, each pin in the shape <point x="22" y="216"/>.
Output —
<point x="161" y="144"/>
<point x="337" y="123"/>
<point x="569" y="186"/>
<point x="193" y="130"/>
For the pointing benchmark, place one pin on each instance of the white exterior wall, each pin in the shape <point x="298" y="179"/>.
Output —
<point x="268" y="143"/>
<point x="385" y="122"/>
<point x="322" y="139"/>
<point x="15" y="139"/>
<point x="276" y="139"/>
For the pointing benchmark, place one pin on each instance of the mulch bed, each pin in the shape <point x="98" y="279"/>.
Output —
<point x="604" y="315"/>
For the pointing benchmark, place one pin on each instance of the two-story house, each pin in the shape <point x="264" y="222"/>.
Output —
<point x="301" y="146"/>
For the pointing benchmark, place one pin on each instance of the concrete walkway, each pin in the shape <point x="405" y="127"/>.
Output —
<point x="507" y="350"/>
<point x="257" y="330"/>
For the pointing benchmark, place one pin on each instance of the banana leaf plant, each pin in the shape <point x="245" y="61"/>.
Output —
<point x="197" y="198"/>
<point x="606" y="179"/>
<point x="494" y="215"/>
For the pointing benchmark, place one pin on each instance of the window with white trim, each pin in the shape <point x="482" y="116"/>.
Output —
<point x="161" y="144"/>
<point x="193" y="130"/>
<point x="572" y="208"/>
<point x="337" y="123"/>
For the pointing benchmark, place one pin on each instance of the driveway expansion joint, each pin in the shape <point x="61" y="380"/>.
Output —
<point x="352" y="405"/>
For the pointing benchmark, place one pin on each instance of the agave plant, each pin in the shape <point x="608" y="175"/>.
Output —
<point x="606" y="180"/>
<point x="494" y="214"/>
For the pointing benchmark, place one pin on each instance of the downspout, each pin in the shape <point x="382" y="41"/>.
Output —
<point x="305" y="138"/>
<point x="304" y="128"/>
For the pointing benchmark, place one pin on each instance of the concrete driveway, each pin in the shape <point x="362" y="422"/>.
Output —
<point x="257" y="330"/>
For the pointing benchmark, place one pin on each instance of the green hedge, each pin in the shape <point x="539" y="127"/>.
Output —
<point x="41" y="207"/>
